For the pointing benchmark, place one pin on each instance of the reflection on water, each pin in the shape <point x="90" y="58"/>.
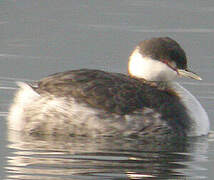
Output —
<point x="37" y="41"/>
<point x="82" y="158"/>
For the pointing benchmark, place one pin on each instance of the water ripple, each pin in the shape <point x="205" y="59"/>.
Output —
<point x="85" y="158"/>
<point x="143" y="29"/>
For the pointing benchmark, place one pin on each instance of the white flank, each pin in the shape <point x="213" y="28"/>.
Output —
<point x="24" y="97"/>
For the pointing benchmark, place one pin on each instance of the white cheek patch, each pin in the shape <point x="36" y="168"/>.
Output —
<point x="149" y="69"/>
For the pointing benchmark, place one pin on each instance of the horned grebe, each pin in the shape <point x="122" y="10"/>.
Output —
<point x="93" y="102"/>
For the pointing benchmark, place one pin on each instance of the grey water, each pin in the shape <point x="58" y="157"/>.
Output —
<point x="38" y="38"/>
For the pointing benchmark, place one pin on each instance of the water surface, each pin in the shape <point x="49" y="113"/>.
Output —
<point x="47" y="36"/>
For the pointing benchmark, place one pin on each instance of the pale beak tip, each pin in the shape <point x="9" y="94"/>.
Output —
<point x="200" y="79"/>
<point x="188" y="73"/>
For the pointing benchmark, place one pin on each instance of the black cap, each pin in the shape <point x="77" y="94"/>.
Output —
<point x="164" y="48"/>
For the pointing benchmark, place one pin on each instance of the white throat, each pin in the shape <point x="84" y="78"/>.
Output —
<point x="149" y="69"/>
<point x="197" y="113"/>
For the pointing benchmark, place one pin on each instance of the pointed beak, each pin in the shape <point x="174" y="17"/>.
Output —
<point x="188" y="73"/>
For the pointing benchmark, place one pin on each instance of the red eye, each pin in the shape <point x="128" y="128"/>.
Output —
<point x="169" y="65"/>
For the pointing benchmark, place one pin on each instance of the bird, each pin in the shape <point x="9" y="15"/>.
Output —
<point x="89" y="102"/>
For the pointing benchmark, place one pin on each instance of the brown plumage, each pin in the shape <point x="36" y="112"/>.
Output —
<point x="117" y="93"/>
<point x="95" y="102"/>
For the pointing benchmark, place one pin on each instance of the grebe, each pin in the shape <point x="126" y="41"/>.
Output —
<point x="93" y="102"/>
